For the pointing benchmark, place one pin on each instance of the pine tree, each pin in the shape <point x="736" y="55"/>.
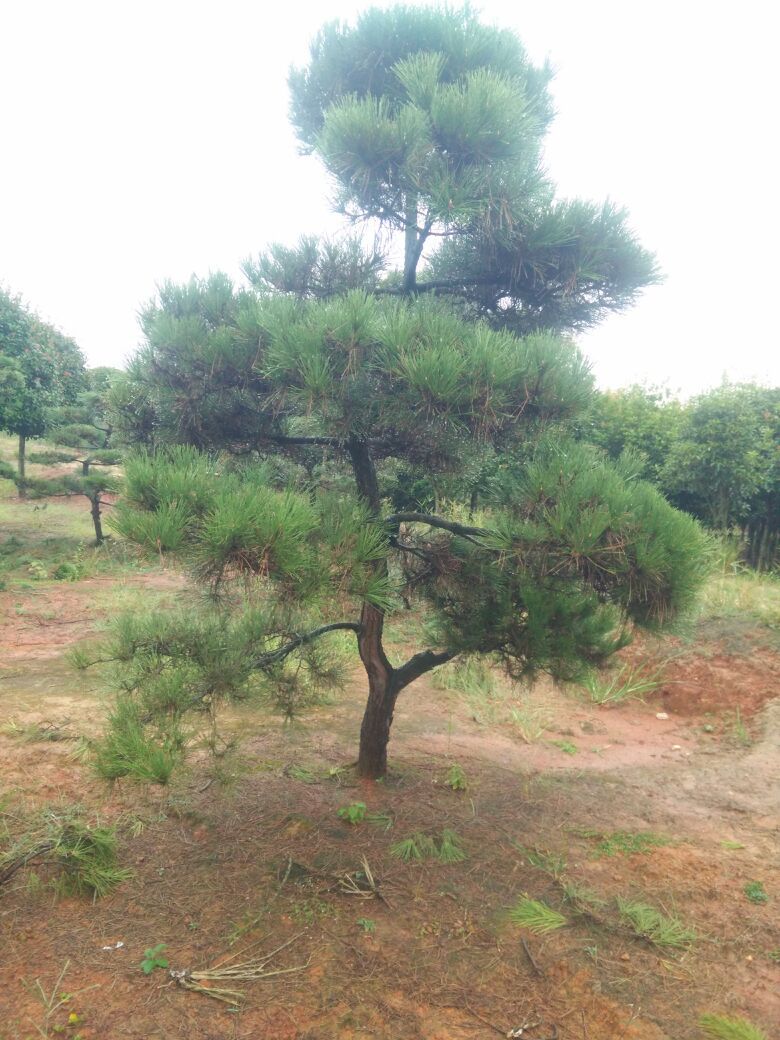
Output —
<point x="303" y="403"/>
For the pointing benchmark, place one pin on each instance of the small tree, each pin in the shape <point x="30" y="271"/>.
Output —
<point x="85" y="429"/>
<point x="432" y="125"/>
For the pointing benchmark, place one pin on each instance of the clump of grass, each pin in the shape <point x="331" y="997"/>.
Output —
<point x="755" y="892"/>
<point x="456" y="778"/>
<point x="627" y="843"/>
<point x="301" y="773"/>
<point x="658" y="928"/>
<point x="723" y="1028"/>
<point x="631" y="682"/>
<point x="529" y="721"/>
<point x="450" y="848"/>
<point x="536" y="916"/>
<point x="420" y="846"/>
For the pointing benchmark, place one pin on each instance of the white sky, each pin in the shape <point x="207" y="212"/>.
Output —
<point x="149" y="140"/>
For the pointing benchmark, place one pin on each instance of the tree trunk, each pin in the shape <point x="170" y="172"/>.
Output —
<point x="382" y="693"/>
<point x="96" y="519"/>
<point x="20" y="465"/>
<point x="411" y="244"/>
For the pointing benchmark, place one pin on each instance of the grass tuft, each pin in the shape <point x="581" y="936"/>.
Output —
<point x="723" y="1028"/>
<point x="659" y="929"/>
<point x="536" y="916"/>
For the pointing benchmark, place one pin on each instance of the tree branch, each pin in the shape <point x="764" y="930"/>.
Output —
<point x="421" y="663"/>
<point x="469" y="533"/>
<point x="274" y="656"/>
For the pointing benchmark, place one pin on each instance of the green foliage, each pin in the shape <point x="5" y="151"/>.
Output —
<point x="723" y="1027"/>
<point x="456" y="778"/>
<point x="658" y="928"/>
<point x="755" y="892"/>
<point x="127" y="749"/>
<point x="353" y="813"/>
<point x="368" y="926"/>
<point x="421" y="846"/>
<point x="40" y="368"/>
<point x="84" y="856"/>
<point x="153" y="959"/>
<point x="536" y="916"/>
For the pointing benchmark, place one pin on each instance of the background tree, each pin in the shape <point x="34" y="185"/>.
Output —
<point x="723" y="465"/>
<point x="84" y="429"/>
<point x="51" y="368"/>
<point x="432" y="125"/>
<point x="643" y="421"/>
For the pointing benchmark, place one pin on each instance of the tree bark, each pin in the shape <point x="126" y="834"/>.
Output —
<point x="95" y="500"/>
<point x="21" y="464"/>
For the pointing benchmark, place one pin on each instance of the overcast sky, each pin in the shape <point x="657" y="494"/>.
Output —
<point x="149" y="140"/>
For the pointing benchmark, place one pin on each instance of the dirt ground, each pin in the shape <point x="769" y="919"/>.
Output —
<point x="232" y="862"/>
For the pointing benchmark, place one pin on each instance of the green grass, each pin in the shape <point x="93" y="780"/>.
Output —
<point x="658" y="928"/>
<point x="627" y="843"/>
<point x="536" y="916"/>
<point x="631" y="682"/>
<point x="722" y="1027"/>
<point x="755" y="893"/>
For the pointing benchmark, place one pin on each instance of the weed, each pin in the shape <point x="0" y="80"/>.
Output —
<point x="308" y="910"/>
<point x="723" y="1028"/>
<point x="755" y="892"/>
<point x="732" y="845"/>
<point x="659" y="929"/>
<point x="740" y="731"/>
<point x="301" y="773"/>
<point x="353" y="813"/>
<point x="631" y="682"/>
<point x="626" y="843"/>
<point x="536" y="916"/>
<point x="152" y="959"/>
<point x="367" y="924"/>
<point x="456" y="778"/>
<point x="566" y="746"/>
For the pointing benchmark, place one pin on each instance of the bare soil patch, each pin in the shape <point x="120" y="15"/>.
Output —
<point x="232" y="868"/>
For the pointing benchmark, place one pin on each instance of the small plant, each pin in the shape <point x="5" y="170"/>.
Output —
<point x="631" y="682"/>
<point x="367" y="925"/>
<point x="353" y="813"/>
<point x="37" y="570"/>
<point x="657" y="928"/>
<point x="740" y="731"/>
<point x="626" y="843"/>
<point x="456" y="778"/>
<point x="450" y="849"/>
<point x="723" y="1028"/>
<point x="755" y="892"/>
<point x="153" y="959"/>
<point x="566" y="746"/>
<point x="301" y="773"/>
<point x="732" y="845"/>
<point x="536" y="916"/>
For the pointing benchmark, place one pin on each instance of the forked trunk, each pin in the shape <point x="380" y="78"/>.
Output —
<point x="20" y="465"/>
